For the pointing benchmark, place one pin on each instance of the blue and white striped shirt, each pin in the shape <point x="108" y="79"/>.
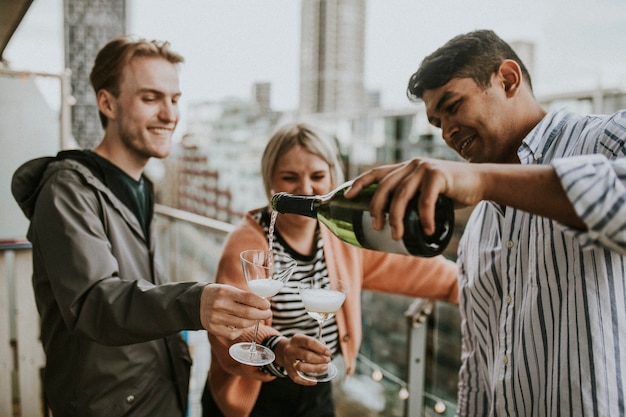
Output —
<point x="543" y="306"/>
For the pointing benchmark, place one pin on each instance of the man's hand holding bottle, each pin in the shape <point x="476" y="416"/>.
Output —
<point x="398" y="183"/>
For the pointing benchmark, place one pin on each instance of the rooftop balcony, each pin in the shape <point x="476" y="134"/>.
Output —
<point x="407" y="365"/>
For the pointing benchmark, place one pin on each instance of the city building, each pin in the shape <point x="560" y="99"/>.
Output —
<point x="215" y="171"/>
<point x="87" y="26"/>
<point x="332" y="56"/>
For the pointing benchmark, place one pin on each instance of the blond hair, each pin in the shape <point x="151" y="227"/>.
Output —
<point x="314" y="141"/>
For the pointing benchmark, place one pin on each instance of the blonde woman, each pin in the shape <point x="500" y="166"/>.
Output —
<point x="299" y="159"/>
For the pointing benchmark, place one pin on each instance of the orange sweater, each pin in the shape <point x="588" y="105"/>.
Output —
<point x="235" y="387"/>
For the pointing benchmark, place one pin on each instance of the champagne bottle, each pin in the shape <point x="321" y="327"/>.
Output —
<point x="349" y="219"/>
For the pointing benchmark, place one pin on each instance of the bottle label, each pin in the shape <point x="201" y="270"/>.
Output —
<point x="381" y="240"/>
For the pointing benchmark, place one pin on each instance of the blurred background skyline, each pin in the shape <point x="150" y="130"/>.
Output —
<point x="228" y="46"/>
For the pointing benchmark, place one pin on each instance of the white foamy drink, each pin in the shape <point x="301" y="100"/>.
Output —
<point x="322" y="303"/>
<point x="265" y="287"/>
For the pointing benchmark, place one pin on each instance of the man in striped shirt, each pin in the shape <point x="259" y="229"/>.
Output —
<point x="542" y="261"/>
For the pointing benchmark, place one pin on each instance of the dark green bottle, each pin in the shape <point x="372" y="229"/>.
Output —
<point x="351" y="222"/>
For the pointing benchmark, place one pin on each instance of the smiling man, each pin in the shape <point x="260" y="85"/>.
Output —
<point x="110" y="321"/>
<point x="542" y="260"/>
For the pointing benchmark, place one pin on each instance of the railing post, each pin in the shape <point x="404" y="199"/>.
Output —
<point x="29" y="349"/>
<point x="416" y="316"/>
<point x="21" y="353"/>
<point x="6" y="352"/>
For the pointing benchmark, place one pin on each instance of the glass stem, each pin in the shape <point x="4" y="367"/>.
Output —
<point x="256" y="331"/>
<point x="321" y="323"/>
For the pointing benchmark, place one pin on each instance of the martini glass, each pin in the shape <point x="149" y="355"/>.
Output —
<point x="266" y="273"/>
<point x="322" y="301"/>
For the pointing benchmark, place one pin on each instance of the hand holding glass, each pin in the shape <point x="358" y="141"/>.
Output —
<point x="322" y="301"/>
<point x="266" y="273"/>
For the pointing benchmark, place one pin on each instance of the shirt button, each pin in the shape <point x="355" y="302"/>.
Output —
<point x="507" y="299"/>
<point x="505" y="360"/>
<point x="130" y="399"/>
<point x="509" y="244"/>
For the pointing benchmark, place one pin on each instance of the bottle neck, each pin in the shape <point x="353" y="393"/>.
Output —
<point x="296" y="204"/>
<point x="305" y="205"/>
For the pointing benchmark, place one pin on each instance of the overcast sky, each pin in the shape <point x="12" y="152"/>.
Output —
<point x="229" y="45"/>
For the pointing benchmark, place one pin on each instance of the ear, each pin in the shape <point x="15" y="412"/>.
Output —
<point x="510" y="75"/>
<point x="106" y="103"/>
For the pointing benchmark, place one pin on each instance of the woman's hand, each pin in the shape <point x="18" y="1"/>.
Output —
<point x="302" y="353"/>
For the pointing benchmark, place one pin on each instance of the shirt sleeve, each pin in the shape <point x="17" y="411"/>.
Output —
<point x="596" y="187"/>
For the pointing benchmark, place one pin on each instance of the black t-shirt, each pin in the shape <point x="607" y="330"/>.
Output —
<point x="138" y="196"/>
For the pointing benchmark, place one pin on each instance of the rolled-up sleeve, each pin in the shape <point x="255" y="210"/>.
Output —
<point x="596" y="187"/>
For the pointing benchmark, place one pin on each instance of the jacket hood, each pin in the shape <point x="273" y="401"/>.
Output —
<point x="27" y="181"/>
<point x="30" y="177"/>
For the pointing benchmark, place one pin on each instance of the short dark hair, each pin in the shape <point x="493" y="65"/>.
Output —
<point x="475" y="55"/>
<point x="116" y="54"/>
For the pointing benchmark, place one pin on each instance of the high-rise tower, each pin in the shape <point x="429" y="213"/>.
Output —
<point x="88" y="26"/>
<point x="332" y="56"/>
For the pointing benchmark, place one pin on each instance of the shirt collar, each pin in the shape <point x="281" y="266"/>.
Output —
<point x="538" y="141"/>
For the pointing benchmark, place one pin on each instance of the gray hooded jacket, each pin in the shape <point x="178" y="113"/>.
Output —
<point x="110" y="322"/>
